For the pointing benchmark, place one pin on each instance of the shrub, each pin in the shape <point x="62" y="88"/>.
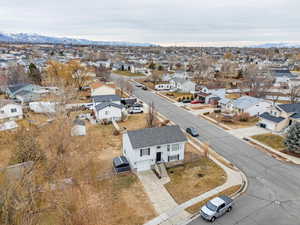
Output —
<point x="243" y="117"/>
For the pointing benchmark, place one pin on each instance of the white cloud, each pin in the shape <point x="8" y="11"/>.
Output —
<point x="158" y="21"/>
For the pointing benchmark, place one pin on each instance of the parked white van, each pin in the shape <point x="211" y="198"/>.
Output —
<point x="161" y="87"/>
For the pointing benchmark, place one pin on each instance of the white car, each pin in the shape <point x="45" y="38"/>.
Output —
<point x="136" y="109"/>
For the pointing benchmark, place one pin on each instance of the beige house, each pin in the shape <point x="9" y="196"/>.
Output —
<point x="280" y="117"/>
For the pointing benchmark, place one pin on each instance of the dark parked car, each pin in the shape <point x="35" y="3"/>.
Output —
<point x="121" y="164"/>
<point x="192" y="131"/>
<point x="144" y="88"/>
<point x="186" y="101"/>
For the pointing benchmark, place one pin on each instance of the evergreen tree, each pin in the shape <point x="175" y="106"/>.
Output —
<point x="292" y="141"/>
<point x="34" y="74"/>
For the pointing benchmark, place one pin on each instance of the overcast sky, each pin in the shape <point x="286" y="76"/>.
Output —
<point x="156" y="21"/>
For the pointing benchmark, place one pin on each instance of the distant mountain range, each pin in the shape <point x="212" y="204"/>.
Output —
<point x="41" y="39"/>
<point x="277" y="45"/>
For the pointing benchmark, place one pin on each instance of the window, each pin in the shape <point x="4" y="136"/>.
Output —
<point x="144" y="151"/>
<point x="175" y="147"/>
<point x="106" y="112"/>
<point x="158" y="147"/>
<point x="168" y="148"/>
<point x="13" y="110"/>
<point x="2" y="111"/>
<point x="173" y="157"/>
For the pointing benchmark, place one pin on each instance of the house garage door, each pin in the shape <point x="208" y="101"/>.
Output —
<point x="144" y="165"/>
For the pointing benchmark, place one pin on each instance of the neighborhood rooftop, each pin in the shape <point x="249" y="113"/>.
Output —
<point x="107" y="104"/>
<point x="156" y="136"/>
<point x="269" y="117"/>
<point x="290" y="108"/>
<point x="106" y="98"/>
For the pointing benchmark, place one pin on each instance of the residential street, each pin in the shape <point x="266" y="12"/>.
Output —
<point x="273" y="194"/>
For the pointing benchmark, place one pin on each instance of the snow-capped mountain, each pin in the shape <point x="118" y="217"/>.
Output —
<point x="36" y="38"/>
<point x="277" y="45"/>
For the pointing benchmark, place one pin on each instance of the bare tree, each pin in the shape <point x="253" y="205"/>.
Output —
<point x="16" y="74"/>
<point x="155" y="77"/>
<point x="128" y="87"/>
<point x="102" y="73"/>
<point x="255" y="81"/>
<point x="27" y="147"/>
<point x="121" y="83"/>
<point x="294" y="94"/>
<point x="151" y="118"/>
<point x="202" y="69"/>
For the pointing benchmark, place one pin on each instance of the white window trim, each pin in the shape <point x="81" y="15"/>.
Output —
<point x="142" y="152"/>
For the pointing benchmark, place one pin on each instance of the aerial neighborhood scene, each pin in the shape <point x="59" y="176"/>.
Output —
<point x="150" y="113"/>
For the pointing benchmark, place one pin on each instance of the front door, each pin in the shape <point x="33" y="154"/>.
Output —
<point x="158" y="157"/>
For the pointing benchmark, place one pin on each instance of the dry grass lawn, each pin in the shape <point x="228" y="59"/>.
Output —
<point x="234" y="124"/>
<point x="272" y="140"/>
<point x="195" y="177"/>
<point x="128" y="74"/>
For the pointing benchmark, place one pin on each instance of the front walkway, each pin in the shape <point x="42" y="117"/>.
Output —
<point x="170" y="213"/>
<point x="160" y="198"/>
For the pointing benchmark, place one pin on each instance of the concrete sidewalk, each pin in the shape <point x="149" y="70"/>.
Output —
<point x="170" y="212"/>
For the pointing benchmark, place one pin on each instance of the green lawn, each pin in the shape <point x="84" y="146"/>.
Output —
<point x="272" y="140"/>
<point x="128" y="74"/>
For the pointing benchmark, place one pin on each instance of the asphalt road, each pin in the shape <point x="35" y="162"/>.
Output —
<point x="273" y="194"/>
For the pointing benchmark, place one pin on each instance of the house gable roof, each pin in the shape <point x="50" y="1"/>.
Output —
<point x="99" y="84"/>
<point x="271" y="118"/>
<point x="290" y="108"/>
<point x="156" y="136"/>
<point x="107" y="104"/>
<point x="106" y="98"/>
<point x="245" y="102"/>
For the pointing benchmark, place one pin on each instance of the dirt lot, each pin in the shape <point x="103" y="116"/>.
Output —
<point x="197" y="176"/>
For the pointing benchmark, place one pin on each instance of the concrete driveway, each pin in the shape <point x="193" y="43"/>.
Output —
<point x="248" y="131"/>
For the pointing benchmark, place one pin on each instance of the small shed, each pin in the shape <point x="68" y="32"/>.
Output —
<point x="79" y="128"/>
<point x="121" y="164"/>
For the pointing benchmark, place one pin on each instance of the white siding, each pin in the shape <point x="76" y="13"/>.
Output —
<point x="11" y="111"/>
<point x="109" y="113"/>
<point x="269" y="124"/>
<point x="141" y="163"/>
